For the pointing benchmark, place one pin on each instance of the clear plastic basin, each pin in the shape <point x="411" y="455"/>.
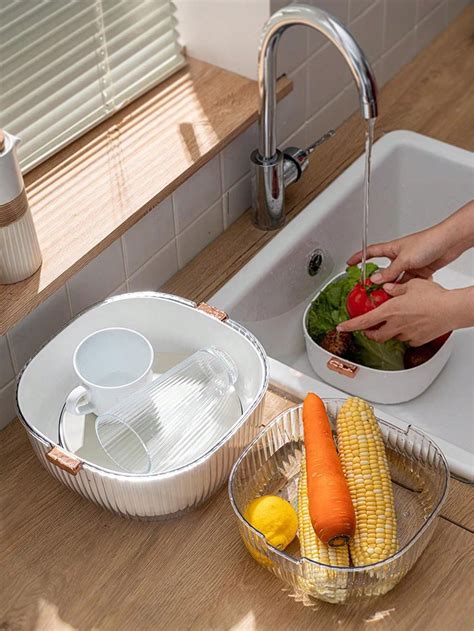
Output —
<point x="271" y="465"/>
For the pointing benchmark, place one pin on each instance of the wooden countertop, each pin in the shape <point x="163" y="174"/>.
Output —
<point x="66" y="564"/>
<point x="69" y="565"/>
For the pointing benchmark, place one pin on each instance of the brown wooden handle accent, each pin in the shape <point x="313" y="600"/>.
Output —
<point x="212" y="311"/>
<point x="64" y="461"/>
<point x="13" y="210"/>
<point x="342" y="367"/>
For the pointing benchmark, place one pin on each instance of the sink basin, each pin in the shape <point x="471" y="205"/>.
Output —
<point x="416" y="182"/>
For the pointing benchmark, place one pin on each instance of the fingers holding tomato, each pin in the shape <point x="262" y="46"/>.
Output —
<point x="364" y="298"/>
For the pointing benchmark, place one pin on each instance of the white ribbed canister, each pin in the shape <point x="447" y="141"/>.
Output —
<point x="20" y="254"/>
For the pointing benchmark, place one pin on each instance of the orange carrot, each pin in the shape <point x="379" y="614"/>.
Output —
<point x="330" y="505"/>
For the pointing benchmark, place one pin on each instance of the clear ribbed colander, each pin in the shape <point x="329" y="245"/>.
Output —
<point x="271" y="465"/>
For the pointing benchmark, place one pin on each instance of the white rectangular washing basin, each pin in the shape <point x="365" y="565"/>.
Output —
<point x="416" y="182"/>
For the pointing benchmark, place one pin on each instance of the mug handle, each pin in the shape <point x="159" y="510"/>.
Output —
<point x="74" y="399"/>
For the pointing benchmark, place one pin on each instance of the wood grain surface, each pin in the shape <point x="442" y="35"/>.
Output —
<point x="69" y="565"/>
<point x="95" y="189"/>
<point x="459" y="507"/>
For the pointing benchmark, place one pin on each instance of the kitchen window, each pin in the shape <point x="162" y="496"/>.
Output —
<point x="66" y="65"/>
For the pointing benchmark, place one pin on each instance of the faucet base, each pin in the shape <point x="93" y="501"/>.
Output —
<point x="268" y="191"/>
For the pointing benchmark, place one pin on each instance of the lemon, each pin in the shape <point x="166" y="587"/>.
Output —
<point x="276" y="519"/>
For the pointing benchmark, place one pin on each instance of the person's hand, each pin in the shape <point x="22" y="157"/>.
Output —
<point x="418" y="255"/>
<point x="421" y="254"/>
<point x="419" y="312"/>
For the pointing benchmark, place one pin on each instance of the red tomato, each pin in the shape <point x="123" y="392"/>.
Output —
<point x="362" y="299"/>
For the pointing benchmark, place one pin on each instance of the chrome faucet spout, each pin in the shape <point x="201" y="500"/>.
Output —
<point x="269" y="164"/>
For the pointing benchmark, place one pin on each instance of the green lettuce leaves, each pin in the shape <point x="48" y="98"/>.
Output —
<point x="386" y="356"/>
<point x="329" y="309"/>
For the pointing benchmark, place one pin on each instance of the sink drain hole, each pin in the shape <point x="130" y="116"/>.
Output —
<point x="315" y="262"/>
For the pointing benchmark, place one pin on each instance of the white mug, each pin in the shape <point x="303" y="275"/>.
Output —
<point x="111" y="364"/>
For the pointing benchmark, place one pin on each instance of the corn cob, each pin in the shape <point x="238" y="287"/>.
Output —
<point x="365" y="466"/>
<point x="319" y="582"/>
<point x="311" y="546"/>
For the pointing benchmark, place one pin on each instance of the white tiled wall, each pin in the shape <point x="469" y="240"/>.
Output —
<point x="390" y="31"/>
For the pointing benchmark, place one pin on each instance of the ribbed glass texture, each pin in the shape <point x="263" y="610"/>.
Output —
<point x="176" y="418"/>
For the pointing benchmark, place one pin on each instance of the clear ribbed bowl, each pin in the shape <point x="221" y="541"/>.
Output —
<point x="271" y="465"/>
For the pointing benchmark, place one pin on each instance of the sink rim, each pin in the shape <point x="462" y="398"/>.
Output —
<point x="244" y="282"/>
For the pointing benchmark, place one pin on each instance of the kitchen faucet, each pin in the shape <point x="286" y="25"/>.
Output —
<point x="273" y="169"/>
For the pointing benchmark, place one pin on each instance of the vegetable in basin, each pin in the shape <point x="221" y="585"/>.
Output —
<point x="346" y="297"/>
<point x="330" y="308"/>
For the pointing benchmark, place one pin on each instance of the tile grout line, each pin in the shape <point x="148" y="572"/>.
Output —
<point x="384" y="27"/>
<point x="443" y="4"/>
<point x="328" y="104"/>
<point x="313" y="55"/>
<point x="122" y="249"/>
<point x="12" y="355"/>
<point x="221" y="175"/>
<point x="301" y="127"/>
<point x="248" y="173"/>
<point x="447" y="20"/>
<point x="152" y="257"/>
<point x="224" y="193"/>
<point x="216" y="200"/>
<point x="390" y="50"/>
<point x="417" y="12"/>
<point x="8" y="385"/>
<point x="247" y="176"/>
<point x="175" y="225"/>
<point x="213" y="203"/>
<point x="363" y="13"/>
<point x="68" y="298"/>
<point x="225" y="208"/>
<point x="178" y="254"/>
<point x="306" y="96"/>
<point x="112" y="293"/>
<point x="140" y="268"/>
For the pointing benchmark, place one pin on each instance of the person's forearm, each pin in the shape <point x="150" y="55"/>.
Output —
<point x="460" y="305"/>
<point x="458" y="229"/>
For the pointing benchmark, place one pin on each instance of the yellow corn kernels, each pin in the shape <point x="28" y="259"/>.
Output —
<point x="365" y="466"/>
<point x="327" y="584"/>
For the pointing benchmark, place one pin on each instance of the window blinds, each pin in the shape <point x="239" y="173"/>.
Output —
<point x="65" y="65"/>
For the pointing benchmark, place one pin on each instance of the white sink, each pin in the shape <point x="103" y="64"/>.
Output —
<point x="416" y="182"/>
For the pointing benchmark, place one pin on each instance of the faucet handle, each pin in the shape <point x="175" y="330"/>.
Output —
<point x="296" y="160"/>
<point x="310" y="148"/>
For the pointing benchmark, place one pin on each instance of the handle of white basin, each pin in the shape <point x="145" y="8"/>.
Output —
<point x="342" y="367"/>
<point x="64" y="460"/>
<point x="74" y="399"/>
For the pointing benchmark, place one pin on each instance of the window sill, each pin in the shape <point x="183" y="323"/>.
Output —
<point x="90" y="193"/>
